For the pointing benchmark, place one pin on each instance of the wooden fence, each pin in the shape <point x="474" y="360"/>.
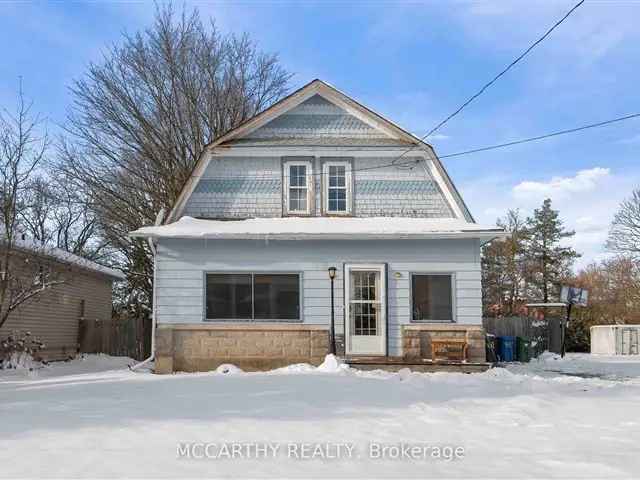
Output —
<point x="130" y="337"/>
<point x="544" y="333"/>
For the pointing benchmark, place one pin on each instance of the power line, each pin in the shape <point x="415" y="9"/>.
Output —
<point x="410" y="163"/>
<point x="495" y="79"/>
<point x="540" y="137"/>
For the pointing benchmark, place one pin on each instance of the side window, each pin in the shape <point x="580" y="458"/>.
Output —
<point x="298" y="181"/>
<point x="432" y="297"/>
<point x="337" y="187"/>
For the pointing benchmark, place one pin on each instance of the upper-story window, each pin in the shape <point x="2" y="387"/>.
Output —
<point x="337" y="187"/>
<point x="299" y="186"/>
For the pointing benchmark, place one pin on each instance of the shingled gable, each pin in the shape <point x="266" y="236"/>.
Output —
<point x="357" y="122"/>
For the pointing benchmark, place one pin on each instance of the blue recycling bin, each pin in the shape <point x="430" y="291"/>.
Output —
<point x="507" y="350"/>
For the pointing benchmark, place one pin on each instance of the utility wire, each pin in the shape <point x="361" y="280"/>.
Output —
<point x="495" y="79"/>
<point x="540" y="137"/>
<point x="413" y="162"/>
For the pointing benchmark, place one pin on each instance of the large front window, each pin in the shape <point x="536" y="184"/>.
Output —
<point x="253" y="296"/>
<point x="432" y="299"/>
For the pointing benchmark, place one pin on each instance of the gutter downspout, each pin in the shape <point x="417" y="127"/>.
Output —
<point x="152" y="356"/>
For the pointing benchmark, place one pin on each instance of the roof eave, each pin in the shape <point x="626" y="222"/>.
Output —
<point x="486" y="235"/>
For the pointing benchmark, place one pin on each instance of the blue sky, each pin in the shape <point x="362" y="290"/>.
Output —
<point x="414" y="62"/>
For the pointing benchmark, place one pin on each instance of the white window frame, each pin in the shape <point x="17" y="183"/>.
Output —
<point x="454" y="316"/>
<point x="287" y="164"/>
<point x="347" y="183"/>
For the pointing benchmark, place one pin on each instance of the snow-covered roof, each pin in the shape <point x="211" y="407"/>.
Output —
<point x="301" y="228"/>
<point x="66" y="257"/>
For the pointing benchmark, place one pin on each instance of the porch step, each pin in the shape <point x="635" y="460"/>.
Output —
<point x="393" y="364"/>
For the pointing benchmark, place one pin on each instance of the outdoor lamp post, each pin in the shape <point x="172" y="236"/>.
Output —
<point x="332" y="332"/>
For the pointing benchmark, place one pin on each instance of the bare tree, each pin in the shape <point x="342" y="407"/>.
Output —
<point x="504" y="268"/>
<point x="22" y="149"/>
<point x="141" y="118"/>
<point x="38" y="203"/>
<point x="624" y="236"/>
<point x="57" y="216"/>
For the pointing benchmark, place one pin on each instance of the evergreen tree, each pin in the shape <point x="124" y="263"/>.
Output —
<point x="547" y="260"/>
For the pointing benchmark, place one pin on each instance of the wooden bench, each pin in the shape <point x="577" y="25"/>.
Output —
<point x="449" y="349"/>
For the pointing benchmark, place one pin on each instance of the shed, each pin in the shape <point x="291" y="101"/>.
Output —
<point x="615" y="339"/>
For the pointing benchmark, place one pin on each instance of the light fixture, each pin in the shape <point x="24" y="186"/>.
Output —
<point x="332" y="330"/>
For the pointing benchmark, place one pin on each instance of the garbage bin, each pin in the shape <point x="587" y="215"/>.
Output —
<point x="524" y="349"/>
<point x="507" y="350"/>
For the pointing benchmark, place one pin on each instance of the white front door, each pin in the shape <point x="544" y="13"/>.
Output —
<point x="365" y="309"/>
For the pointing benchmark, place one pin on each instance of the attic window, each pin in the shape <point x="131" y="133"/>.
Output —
<point x="337" y="187"/>
<point x="298" y="179"/>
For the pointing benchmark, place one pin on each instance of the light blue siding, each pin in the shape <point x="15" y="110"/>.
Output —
<point x="316" y="117"/>
<point x="181" y="266"/>
<point x="245" y="187"/>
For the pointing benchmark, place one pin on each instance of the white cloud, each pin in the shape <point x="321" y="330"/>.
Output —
<point x="561" y="187"/>
<point x="591" y="31"/>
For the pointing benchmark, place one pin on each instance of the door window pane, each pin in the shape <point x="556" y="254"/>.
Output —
<point x="229" y="296"/>
<point x="277" y="297"/>
<point x="432" y="297"/>
<point x="365" y="318"/>
<point x="364" y="285"/>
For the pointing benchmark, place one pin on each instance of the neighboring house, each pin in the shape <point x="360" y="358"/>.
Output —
<point x="53" y="316"/>
<point x="241" y="270"/>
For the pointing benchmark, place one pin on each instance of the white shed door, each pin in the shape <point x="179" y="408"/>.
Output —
<point x="365" y="304"/>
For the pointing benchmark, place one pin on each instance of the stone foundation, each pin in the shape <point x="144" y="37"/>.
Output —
<point x="251" y="346"/>
<point x="416" y="339"/>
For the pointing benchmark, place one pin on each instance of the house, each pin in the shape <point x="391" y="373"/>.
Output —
<point x="317" y="181"/>
<point x="82" y="289"/>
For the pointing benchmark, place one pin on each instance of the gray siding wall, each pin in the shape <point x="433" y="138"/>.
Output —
<point x="54" y="315"/>
<point x="181" y="267"/>
<point x="245" y="187"/>
<point x="234" y="187"/>
<point x="390" y="191"/>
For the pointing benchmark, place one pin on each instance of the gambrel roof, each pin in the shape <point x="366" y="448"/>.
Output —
<point x="319" y="115"/>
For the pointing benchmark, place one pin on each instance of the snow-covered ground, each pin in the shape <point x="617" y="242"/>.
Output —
<point x="577" y="417"/>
